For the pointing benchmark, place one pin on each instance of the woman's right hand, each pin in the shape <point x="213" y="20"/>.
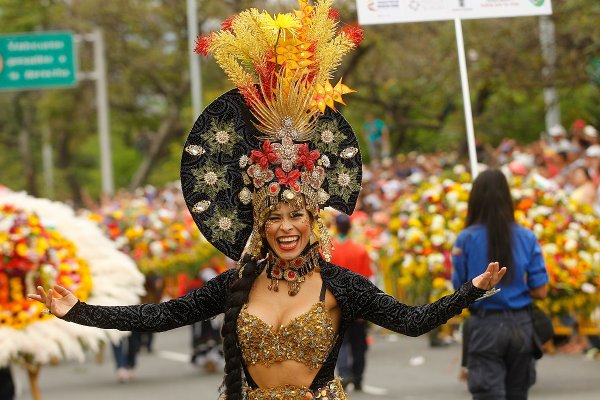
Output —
<point x="58" y="300"/>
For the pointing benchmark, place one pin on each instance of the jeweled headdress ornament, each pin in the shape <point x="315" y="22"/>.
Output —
<point x="277" y="137"/>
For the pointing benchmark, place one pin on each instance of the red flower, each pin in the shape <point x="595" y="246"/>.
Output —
<point x="266" y="74"/>
<point x="226" y="25"/>
<point x="354" y="33"/>
<point x="202" y="44"/>
<point x="290" y="179"/>
<point x="306" y="157"/>
<point x="265" y="157"/>
<point x="334" y="15"/>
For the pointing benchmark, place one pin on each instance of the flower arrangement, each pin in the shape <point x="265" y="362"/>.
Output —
<point x="32" y="255"/>
<point x="568" y="235"/>
<point x="43" y="243"/>
<point x="424" y="226"/>
<point x="425" y="223"/>
<point x="160" y="240"/>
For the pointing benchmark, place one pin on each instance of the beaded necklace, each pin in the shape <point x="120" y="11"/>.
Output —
<point x="293" y="271"/>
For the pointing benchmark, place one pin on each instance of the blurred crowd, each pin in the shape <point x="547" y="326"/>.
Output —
<point x="561" y="159"/>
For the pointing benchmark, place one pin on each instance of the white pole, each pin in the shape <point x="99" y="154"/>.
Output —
<point x="103" y="123"/>
<point x="462" y="62"/>
<point x="548" y="43"/>
<point x="195" y="78"/>
<point x="48" y="162"/>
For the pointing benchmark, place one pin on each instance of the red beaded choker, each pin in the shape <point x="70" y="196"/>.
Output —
<point x="293" y="271"/>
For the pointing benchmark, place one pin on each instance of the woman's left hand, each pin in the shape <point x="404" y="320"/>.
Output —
<point x="490" y="277"/>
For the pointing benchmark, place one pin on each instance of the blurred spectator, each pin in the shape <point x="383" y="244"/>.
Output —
<point x="207" y="343"/>
<point x="349" y="254"/>
<point x="588" y="137"/>
<point x="125" y="353"/>
<point x="558" y="141"/>
<point x="584" y="191"/>
<point x="7" y="386"/>
<point x="377" y="136"/>
<point x="154" y="285"/>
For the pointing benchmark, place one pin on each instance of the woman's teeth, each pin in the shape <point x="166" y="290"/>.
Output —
<point x="288" y="242"/>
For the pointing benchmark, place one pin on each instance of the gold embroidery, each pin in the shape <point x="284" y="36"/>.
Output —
<point x="333" y="390"/>
<point x="307" y="338"/>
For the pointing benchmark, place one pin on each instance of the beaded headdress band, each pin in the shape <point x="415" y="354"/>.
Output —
<point x="277" y="137"/>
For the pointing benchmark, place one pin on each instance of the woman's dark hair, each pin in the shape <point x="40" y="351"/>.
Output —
<point x="238" y="296"/>
<point x="491" y="204"/>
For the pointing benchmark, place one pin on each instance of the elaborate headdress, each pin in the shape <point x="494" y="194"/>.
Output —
<point x="277" y="137"/>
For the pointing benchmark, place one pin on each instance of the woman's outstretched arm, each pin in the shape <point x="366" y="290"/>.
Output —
<point x="384" y="310"/>
<point x="199" y="304"/>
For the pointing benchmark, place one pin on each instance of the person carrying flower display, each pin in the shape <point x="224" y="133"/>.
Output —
<point x="259" y="164"/>
<point x="499" y="338"/>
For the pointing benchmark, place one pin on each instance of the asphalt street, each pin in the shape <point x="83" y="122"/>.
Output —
<point x="398" y="368"/>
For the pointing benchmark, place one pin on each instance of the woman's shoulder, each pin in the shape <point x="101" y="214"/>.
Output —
<point x="226" y="277"/>
<point x="524" y="233"/>
<point x="471" y="231"/>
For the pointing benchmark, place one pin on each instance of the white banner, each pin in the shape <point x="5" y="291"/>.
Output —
<point x="371" y="12"/>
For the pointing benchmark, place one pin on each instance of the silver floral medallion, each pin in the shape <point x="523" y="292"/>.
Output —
<point x="349" y="152"/>
<point x="201" y="206"/>
<point x="245" y="196"/>
<point x="195" y="150"/>
<point x="244" y="161"/>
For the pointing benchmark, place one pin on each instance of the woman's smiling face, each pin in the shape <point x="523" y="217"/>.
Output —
<point x="288" y="231"/>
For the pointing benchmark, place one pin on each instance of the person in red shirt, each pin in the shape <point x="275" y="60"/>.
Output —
<point x="353" y="256"/>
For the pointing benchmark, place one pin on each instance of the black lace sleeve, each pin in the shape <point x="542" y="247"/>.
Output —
<point x="360" y="298"/>
<point x="198" y="305"/>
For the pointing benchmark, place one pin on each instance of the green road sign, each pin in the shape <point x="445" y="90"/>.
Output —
<point x="37" y="60"/>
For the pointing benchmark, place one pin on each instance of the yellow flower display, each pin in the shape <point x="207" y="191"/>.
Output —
<point x="426" y="223"/>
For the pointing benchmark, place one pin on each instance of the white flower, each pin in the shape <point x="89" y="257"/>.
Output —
<point x="570" y="245"/>
<point x="210" y="178"/>
<point x="244" y="161"/>
<point x="588" y="288"/>
<point x="437" y="240"/>
<point x="550" y="249"/>
<point x="156" y="248"/>
<point x="327" y="136"/>
<point x="344" y="179"/>
<point x="222" y="137"/>
<point x="224" y="223"/>
<point x="437" y="222"/>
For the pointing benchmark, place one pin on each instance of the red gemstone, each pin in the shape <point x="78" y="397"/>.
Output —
<point x="298" y="262"/>
<point x="291" y="275"/>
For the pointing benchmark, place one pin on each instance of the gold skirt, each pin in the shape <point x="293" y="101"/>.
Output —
<point x="332" y="390"/>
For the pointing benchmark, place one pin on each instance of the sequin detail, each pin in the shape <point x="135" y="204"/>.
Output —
<point x="307" y="338"/>
<point x="333" y="390"/>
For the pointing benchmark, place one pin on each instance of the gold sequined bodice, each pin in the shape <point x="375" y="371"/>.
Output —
<point x="307" y="338"/>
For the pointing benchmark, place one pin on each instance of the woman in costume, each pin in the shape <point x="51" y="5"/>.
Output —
<point x="499" y="341"/>
<point x="258" y="165"/>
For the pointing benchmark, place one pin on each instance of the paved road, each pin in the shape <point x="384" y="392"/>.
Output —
<point x="405" y="368"/>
